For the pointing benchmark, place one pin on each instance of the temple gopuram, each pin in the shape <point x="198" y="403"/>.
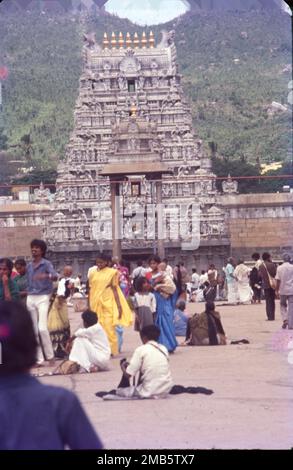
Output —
<point x="134" y="155"/>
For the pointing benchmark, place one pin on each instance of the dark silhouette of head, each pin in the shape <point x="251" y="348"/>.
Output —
<point x="89" y="318"/>
<point x="17" y="338"/>
<point x="39" y="244"/>
<point x="6" y="266"/>
<point x="255" y="256"/>
<point x="181" y="305"/>
<point x="266" y="256"/>
<point x="141" y="284"/>
<point x="20" y="266"/>
<point x="150" y="333"/>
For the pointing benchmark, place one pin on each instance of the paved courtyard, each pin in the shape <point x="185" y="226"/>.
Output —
<point x="252" y="404"/>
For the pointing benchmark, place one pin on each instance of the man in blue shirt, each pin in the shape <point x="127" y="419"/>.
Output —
<point x="34" y="416"/>
<point x="40" y="277"/>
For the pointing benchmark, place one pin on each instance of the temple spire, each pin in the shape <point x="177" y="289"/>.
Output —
<point x="151" y="40"/>
<point x="113" y="40"/>
<point x="136" y="40"/>
<point x="144" y="40"/>
<point x="121" y="40"/>
<point x="105" y="41"/>
<point x="128" y="41"/>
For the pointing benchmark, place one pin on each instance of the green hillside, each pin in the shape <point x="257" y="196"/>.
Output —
<point x="229" y="98"/>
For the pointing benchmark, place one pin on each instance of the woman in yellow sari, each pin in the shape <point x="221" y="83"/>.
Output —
<point x="107" y="300"/>
<point x="58" y="321"/>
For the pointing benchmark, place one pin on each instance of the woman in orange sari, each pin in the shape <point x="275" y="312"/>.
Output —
<point x="107" y="300"/>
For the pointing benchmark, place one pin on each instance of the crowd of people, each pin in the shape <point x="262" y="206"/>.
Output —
<point x="265" y="280"/>
<point x="154" y="293"/>
<point x="153" y="298"/>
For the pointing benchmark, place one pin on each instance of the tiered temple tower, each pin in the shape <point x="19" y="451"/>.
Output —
<point x="131" y="108"/>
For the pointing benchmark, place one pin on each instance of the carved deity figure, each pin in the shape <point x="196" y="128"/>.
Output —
<point x="133" y="143"/>
<point x="230" y="186"/>
<point x="122" y="82"/>
<point x="42" y="194"/>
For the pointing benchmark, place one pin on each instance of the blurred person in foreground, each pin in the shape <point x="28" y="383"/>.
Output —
<point x="34" y="416"/>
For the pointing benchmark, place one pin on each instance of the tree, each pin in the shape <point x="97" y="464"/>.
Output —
<point x="3" y="140"/>
<point x="35" y="177"/>
<point x="225" y="167"/>
<point x="26" y="146"/>
<point x="8" y="167"/>
<point x="276" y="185"/>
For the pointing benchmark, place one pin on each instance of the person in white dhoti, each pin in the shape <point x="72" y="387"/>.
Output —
<point x="241" y="273"/>
<point x="90" y="348"/>
<point x="231" y="281"/>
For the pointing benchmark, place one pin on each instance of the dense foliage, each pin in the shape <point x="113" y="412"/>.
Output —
<point x="232" y="65"/>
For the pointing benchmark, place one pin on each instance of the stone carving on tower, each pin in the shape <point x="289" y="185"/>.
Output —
<point x="131" y="106"/>
<point x="230" y="186"/>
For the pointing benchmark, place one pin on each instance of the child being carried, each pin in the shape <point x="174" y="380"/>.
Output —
<point x="163" y="283"/>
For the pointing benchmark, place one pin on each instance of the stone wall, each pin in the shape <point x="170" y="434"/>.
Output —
<point x="256" y="222"/>
<point x="19" y="224"/>
<point x="15" y="241"/>
<point x="260" y="222"/>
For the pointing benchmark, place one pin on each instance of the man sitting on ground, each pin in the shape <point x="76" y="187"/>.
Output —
<point x="91" y="348"/>
<point x="151" y="363"/>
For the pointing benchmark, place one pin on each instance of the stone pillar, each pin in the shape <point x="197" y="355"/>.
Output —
<point x="116" y="220"/>
<point x="159" y="220"/>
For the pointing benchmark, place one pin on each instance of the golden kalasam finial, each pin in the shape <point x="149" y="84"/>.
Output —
<point x="136" y="40"/>
<point x="113" y="40"/>
<point x="121" y="40"/>
<point x="151" y="39"/>
<point x="144" y="40"/>
<point x="105" y="41"/>
<point x="133" y="110"/>
<point x="128" y="41"/>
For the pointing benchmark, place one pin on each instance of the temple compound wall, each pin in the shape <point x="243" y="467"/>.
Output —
<point x="260" y="222"/>
<point x="19" y="224"/>
<point x="256" y="222"/>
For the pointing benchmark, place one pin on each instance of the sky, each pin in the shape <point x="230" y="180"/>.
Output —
<point x="147" y="12"/>
<point x="156" y="11"/>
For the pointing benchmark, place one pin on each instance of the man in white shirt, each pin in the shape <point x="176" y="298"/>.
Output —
<point x="195" y="279"/>
<point x="203" y="278"/>
<point x="284" y="279"/>
<point x="91" y="348"/>
<point x="151" y="363"/>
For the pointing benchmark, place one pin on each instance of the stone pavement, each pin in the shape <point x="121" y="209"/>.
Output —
<point x="252" y="404"/>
